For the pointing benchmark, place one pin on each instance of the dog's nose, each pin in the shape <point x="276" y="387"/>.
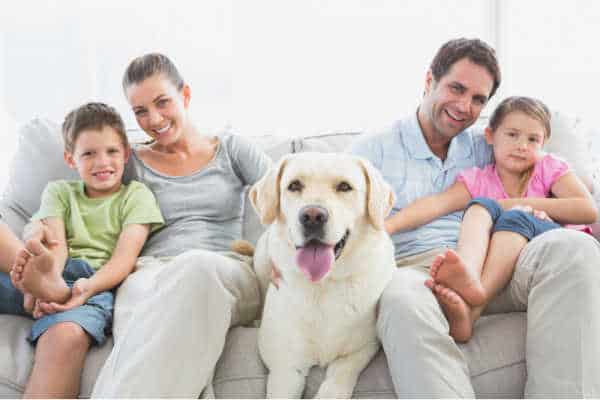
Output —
<point x="313" y="218"/>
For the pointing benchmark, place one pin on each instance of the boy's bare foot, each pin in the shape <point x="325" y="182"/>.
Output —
<point x="40" y="277"/>
<point x="449" y="270"/>
<point x="457" y="311"/>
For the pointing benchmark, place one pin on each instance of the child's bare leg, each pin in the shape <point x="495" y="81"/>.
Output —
<point x="11" y="250"/>
<point x="9" y="246"/>
<point x="460" y="270"/>
<point x="505" y="248"/>
<point x="42" y="277"/>
<point x="59" y="359"/>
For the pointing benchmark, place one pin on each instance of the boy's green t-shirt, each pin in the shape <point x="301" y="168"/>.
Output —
<point x="93" y="226"/>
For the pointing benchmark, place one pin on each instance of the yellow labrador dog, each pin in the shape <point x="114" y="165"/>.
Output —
<point x="327" y="240"/>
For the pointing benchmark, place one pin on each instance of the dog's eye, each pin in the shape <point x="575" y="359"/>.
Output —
<point x="343" y="187"/>
<point x="295" y="186"/>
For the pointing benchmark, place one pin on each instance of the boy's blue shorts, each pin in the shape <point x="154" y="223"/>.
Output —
<point x="521" y="222"/>
<point x="95" y="316"/>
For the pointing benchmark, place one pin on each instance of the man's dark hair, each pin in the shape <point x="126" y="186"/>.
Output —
<point x="477" y="51"/>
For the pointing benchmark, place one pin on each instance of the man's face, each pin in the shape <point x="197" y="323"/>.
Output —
<point x="454" y="103"/>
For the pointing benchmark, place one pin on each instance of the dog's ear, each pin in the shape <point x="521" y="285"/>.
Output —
<point x="380" y="196"/>
<point x="264" y="194"/>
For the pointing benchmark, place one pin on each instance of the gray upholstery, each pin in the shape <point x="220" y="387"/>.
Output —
<point x="499" y="339"/>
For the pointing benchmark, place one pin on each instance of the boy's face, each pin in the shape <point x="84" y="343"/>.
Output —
<point x="99" y="157"/>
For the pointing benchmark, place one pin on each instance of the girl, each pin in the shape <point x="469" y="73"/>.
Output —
<point x="523" y="178"/>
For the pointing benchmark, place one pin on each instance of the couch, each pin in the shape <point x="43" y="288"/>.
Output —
<point x="495" y="355"/>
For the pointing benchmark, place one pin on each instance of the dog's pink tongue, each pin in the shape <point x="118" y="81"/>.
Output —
<point x="315" y="261"/>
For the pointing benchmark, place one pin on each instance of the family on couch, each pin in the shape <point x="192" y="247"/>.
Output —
<point x="188" y="281"/>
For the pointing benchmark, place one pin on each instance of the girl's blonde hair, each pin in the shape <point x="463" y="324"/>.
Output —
<point x="529" y="106"/>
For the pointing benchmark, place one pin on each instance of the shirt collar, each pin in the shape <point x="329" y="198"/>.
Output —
<point x="461" y="145"/>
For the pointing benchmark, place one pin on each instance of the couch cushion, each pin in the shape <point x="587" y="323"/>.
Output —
<point x="571" y="139"/>
<point x="326" y="143"/>
<point x="495" y="356"/>
<point x="16" y="358"/>
<point x="37" y="160"/>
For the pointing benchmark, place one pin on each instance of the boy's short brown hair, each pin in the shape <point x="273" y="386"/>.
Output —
<point x="91" y="116"/>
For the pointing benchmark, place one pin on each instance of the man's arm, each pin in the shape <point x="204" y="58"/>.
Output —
<point x="427" y="209"/>
<point x="9" y="246"/>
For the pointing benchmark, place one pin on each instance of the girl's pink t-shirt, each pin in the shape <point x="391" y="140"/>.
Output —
<point x="485" y="182"/>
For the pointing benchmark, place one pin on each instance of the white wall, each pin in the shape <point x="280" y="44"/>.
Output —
<point x="305" y="67"/>
<point x="552" y="51"/>
<point x="61" y="53"/>
<point x="287" y="67"/>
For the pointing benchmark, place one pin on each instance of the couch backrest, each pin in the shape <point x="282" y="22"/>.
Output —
<point x="39" y="159"/>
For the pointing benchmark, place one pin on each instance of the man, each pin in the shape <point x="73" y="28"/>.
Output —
<point x="557" y="276"/>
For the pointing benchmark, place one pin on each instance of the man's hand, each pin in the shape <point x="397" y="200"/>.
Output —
<point x="539" y="214"/>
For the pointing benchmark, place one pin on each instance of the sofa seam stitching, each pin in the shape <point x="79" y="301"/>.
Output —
<point x="497" y="368"/>
<point x="11" y="384"/>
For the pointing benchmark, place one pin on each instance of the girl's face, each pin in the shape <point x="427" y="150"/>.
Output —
<point x="160" y="108"/>
<point x="517" y="142"/>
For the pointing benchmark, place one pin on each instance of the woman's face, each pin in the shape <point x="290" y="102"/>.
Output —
<point x="160" y="108"/>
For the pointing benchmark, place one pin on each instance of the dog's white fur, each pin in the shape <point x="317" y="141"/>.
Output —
<point x="331" y="322"/>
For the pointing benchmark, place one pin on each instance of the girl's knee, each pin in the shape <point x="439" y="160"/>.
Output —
<point x="517" y="221"/>
<point x="484" y="207"/>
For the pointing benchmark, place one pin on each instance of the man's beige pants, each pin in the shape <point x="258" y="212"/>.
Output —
<point x="556" y="280"/>
<point x="171" y="319"/>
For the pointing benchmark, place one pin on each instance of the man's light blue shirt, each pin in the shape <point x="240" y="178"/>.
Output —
<point x="410" y="167"/>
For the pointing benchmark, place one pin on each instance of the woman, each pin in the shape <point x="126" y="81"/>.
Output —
<point x="172" y="314"/>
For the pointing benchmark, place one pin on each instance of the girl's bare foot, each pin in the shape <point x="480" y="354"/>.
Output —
<point x="41" y="278"/>
<point x="457" y="311"/>
<point x="450" y="271"/>
<point x="436" y="264"/>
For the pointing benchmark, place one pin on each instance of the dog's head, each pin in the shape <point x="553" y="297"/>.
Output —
<point x="326" y="201"/>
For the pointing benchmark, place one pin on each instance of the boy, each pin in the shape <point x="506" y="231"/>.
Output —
<point x="99" y="226"/>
